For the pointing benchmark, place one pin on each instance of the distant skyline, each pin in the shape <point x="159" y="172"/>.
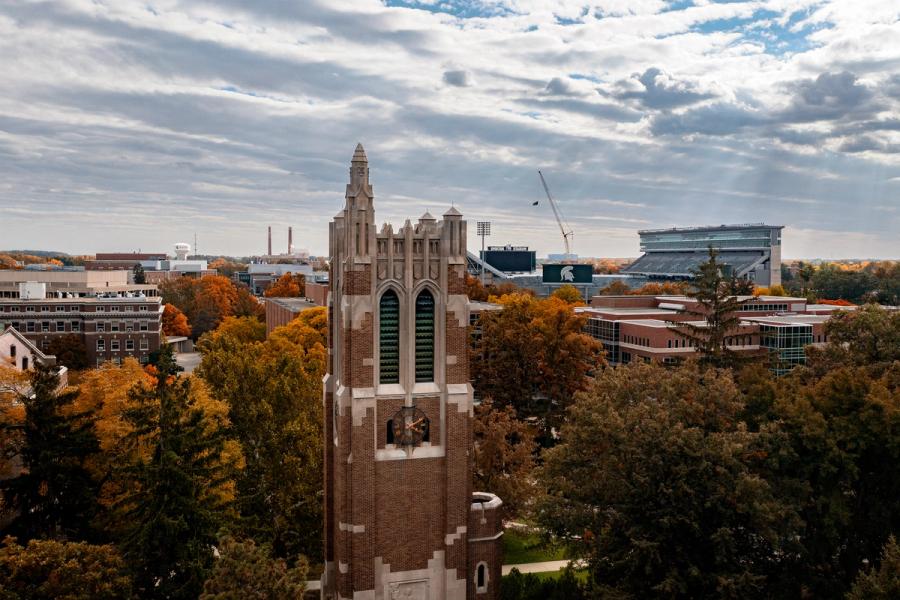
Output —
<point x="134" y="125"/>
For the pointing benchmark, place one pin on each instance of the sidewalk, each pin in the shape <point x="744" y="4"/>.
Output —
<point x="539" y="567"/>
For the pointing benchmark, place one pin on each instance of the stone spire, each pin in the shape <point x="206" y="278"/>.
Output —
<point x="359" y="167"/>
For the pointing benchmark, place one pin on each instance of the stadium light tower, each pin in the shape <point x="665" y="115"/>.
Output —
<point x="484" y="230"/>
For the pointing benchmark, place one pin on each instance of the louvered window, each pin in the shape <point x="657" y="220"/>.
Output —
<point x="389" y="338"/>
<point x="425" y="337"/>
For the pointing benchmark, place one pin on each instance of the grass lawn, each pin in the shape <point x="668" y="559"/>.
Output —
<point x="522" y="547"/>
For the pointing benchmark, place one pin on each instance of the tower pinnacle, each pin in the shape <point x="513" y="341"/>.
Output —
<point x="359" y="167"/>
<point x="359" y="155"/>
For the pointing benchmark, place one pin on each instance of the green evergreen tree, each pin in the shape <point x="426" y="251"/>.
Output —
<point x="139" y="275"/>
<point x="245" y="570"/>
<point x="881" y="583"/>
<point x="54" y="496"/>
<point x="173" y="510"/>
<point x="717" y="307"/>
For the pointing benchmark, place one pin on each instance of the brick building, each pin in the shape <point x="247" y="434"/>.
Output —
<point x="112" y="328"/>
<point x="281" y="311"/>
<point x="401" y="520"/>
<point x="641" y="327"/>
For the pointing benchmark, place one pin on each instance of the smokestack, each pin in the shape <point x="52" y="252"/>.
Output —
<point x="290" y="239"/>
<point x="269" y="253"/>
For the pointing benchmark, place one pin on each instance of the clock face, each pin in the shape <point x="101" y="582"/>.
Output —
<point x="411" y="426"/>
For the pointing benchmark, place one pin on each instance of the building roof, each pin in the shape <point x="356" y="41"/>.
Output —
<point x="712" y="228"/>
<point x="293" y="304"/>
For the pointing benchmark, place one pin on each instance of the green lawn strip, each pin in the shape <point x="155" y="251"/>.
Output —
<point x="520" y="547"/>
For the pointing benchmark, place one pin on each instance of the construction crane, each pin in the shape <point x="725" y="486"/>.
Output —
<point x="563" y="225"/>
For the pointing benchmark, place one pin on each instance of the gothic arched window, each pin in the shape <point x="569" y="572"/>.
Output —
<point x="425" y="337"/>
<point x="389" y="338"/>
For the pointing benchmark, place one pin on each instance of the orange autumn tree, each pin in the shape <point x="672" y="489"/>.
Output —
<point x="288" y="286"/>
<point x="174" y="322"/>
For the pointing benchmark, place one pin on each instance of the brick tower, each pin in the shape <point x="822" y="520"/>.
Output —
<point x="400" y="518"/>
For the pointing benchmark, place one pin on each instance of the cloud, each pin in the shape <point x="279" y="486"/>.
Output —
<point x="830" y="96"/>
<point x="458" y="78"/>
<point x="655" y="89"/>
<point x="127" y="125"/>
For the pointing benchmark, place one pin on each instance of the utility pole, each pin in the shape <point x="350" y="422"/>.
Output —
<point x="484" y="230"/>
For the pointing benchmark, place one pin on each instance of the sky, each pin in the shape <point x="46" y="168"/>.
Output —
<point x="135" y="125"/>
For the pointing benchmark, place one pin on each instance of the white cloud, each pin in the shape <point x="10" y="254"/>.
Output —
<point x="175" y="116"/>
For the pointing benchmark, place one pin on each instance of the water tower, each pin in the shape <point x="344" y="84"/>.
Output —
<point x="182" y="250"/>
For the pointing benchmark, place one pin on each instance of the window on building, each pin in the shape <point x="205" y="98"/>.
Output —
<point x="101" y="345"/>
<point x="29" y="327"/>
<point x="45" y="309"/>
<point x="114" y="345"/>
<point x="29" y="309"/>
<point x="101" y="327"/>
<point x="24" y="363"/>
<point x="425" y="336"/>
<point x="481" y="578"/>
<point x="389" y="338"/>
<point x="143" y="309"/>
<point x="76" y="326"/>
<point x="145" y="359"/>
<point x="389" y="433"/>
<point x="60" y="325"/>
<point x="129" y="344"/>
<point x="114" y="308"/>
<point x="60" y="309"/>
<point x="45" y="344"/>
<point x="45" y="326"/>
<point x="144" y="326"/>
<point x="145" y="344"/>
<point x="12" y="351"/>
<point x="129" y="327"/>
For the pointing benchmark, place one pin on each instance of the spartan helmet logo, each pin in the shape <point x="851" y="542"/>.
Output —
<point x="565" y="274"/>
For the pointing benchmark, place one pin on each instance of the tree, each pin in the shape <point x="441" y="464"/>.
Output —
<point x="870" y="334"/>
<point x="247" y="305"/>
<point x="528" y="586"/>
<point x="247" y="570"/>
<point x="139" y="275"/>
<point x="843" y="428"/>
<point x="654" y="288"/>
<point x="174" y="323"/>
<point x="883" y="582"/>
<point x="533" y="355"/>
<point x="503" y="457"/>
<point x="54" y="570"/>
<point x="616" y="288"/>
<point x="288" y="286"/>
<point x="70" y="351"/>
<point x="205" y="301"/>
<point x="568" y="293"/>
<point x="175" y="461"/>
<point x="226" y="267"/>
<point x="54" y="494"/>
<point x="273" y="390"/>
<point x="717" y="308"/>
<point x="660" y="486"/>
<point x="831" y="282"/>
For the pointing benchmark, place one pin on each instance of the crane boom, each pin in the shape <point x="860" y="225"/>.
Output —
<point x="562" y="228"/>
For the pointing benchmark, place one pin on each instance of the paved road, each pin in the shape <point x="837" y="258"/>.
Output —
<point x="538" y="567"/>
<point x="188" y="360"/>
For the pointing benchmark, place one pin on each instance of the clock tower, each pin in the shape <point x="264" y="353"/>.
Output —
<point x="401" y="520"/>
